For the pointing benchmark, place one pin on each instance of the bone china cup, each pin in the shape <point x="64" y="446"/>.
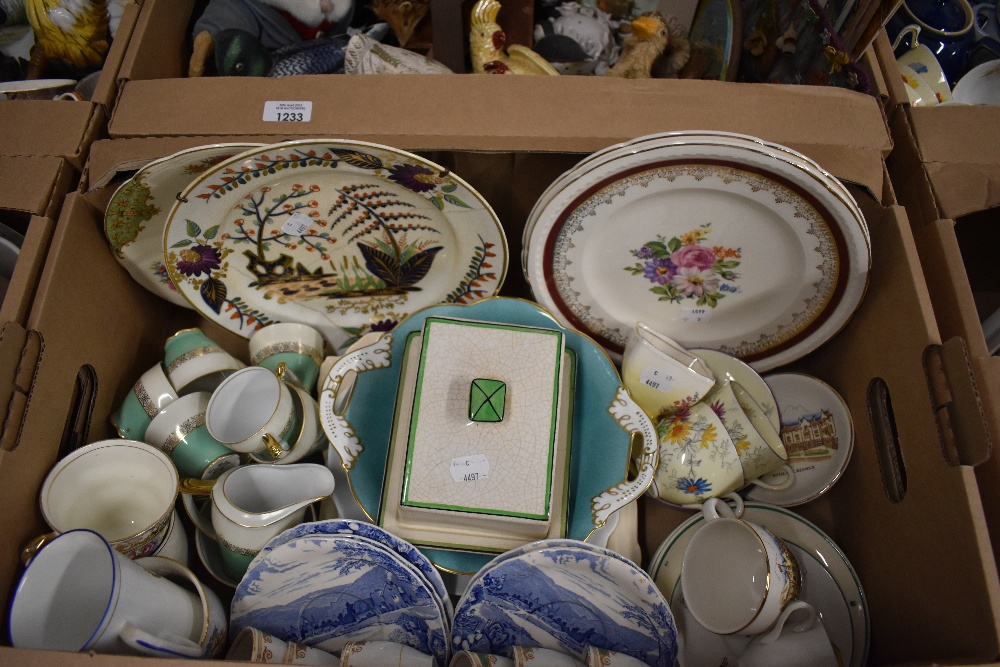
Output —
<point x="736" y="576"/>
<point x="123" y="489"/>
<point x="151" y="393"/>
<point x="253" y="645"/>
<point x="195" y="362"/>
<point x="383" y="654"/>
<point x="180" y="432"/>
<point x="802" y="643"/>
<point x="661" y="375"/>
<point x="79" y="594"/>
<point x="253" y="411"/>
<point x="698" y="459"/>
<point x="758" y="444"/>
<point x="298" y="346"/>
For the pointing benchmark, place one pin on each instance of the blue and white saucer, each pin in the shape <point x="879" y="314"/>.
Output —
<point x="566" y="598"/>
<point x="378" y="536"/>
<point x="326" y="590"/>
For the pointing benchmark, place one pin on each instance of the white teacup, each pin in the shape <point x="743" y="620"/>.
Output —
<point x="308" y="440"/>
<point x="757" y="443"/>
<point x="803" y="643"/>
<point x="253" y="645"/>
<point x="123" y="489"/>
<point x="473" y="659"/>
<point x="79" y="594"/>
<point x="698" y="459"/>
<point x="596" y="657"/>
<point x="195" y="362"/>
<point x="175" y="546"/>
<point x="151" y="393"/>
<point x="541" y="657"/>
<point x="179" y="431"/>
<point x="736" y="576"/>
<point x="299" y="346"/>
<point x="252" y="411"/>
<point x="661" y="375"/>
<point x="383" y="654"/>
<point x="919" y="66"/>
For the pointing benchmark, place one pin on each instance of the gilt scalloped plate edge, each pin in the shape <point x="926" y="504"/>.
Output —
<point x="347" y="236"/>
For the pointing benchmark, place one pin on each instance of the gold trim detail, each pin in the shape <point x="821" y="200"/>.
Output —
<point x="288" y="346"/>
<point x="193" y="354"/>
<point x="235" y="549"/>
<point x="182" y="431"/>
<point x="148" y="404"/>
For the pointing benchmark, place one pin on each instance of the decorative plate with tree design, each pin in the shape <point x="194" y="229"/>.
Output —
<point x="348" y="237"/>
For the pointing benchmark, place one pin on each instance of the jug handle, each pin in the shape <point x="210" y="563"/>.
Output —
<point x="149" y="644"/>
<point x="189" y="489"/>
<point x="912" y="30"/>
<point x="34" y="546"/>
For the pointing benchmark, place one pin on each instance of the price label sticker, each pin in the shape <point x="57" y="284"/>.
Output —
<point x="297" y="224"/>
<point x="470" y="468"/>
<point x="656" y="379"/>
<point x="699" y="315"/>
<point x="287" y="112"/>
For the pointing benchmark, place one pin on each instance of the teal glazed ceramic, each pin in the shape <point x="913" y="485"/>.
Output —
<point x="195" y="362"/>
<point x="946" y="28"/>
<point x="600" y="444"/>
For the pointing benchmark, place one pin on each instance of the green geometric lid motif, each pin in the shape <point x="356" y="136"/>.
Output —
<point x="486" y="400"/>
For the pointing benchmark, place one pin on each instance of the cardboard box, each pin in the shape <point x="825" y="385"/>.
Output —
<point x="66" y="129"/>
<point x="908" y="515"/>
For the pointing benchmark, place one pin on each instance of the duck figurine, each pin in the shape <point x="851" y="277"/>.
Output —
<point x="489" y="50"/>
<point x="239" y="53"/>
<point x="275" y="23"/>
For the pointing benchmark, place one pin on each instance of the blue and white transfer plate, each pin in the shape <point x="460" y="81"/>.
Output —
<point x="381" y="538"/>
<point x="326" y="590"/>
<point x="566" y="598"/>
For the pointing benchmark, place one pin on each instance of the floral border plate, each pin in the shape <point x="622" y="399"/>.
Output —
<point x="729" y="246"/>
<point x="566" y="598"/>
<point x="138" y="211"/>
<point x="604" y="421"/>
<point x="818" y="433"/>
<point x="326" y="590"/>
<point x="829" y="583"/>
<point x="345" y="236"/>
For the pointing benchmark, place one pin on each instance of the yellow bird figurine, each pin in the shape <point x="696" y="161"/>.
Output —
<point x="74" y="31"/>
<point x="489" y="50"/>
<point x="651" y="36"/>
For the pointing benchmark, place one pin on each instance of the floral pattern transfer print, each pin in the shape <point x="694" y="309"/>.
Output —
<point x="687" y="267"/>
<point x="360" y="235"/>
<point x="690" y="437"/>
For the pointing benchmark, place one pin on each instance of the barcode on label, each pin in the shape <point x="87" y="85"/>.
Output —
<point x="470" y="468"/>
<point x="297" y="224"/>
<point x="287" y="112"/>
<point x="696" y="315"/>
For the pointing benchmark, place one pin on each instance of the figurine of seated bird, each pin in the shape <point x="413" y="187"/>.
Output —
<point x="489" y="49"/>
<point x="651" y="37"/>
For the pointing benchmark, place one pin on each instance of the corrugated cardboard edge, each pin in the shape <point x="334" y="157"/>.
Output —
<point x="36" y="185"/>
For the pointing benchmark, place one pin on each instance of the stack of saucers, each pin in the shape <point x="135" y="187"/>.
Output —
<point x="327" y="583"/>
<point x="566" y="596"/>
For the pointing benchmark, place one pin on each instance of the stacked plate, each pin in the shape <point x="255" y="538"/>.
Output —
<point x="566" y="596"/>
<point x="343" y="236"/>
<point x="327" y="583"/>
<point x="716" y="240"/>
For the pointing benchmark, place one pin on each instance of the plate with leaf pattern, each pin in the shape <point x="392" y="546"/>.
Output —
<point x="137" y="213"/>
<point x="348" y="237"/>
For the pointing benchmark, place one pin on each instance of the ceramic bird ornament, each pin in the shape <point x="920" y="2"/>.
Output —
<point x="68" y="33"/>
<point x="489" y="49"/>
<point x="275" y="23"/>
<point x="401" y="15"/>
<point x="650" y="37"/>
<point x="238" y="53"/>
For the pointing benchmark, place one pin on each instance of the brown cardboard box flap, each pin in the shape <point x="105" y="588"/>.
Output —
<point x="45" y="127"/>
<point x="107" y="86"/>
<point x="35" y="185"/>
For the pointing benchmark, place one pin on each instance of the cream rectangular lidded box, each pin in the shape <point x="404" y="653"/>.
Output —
<point x="480" y="436"/>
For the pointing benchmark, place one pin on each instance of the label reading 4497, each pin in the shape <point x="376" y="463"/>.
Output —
<point x="287" y="112"/>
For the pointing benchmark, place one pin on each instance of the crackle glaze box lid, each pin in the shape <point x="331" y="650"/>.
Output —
<point x="487" y="396"/>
